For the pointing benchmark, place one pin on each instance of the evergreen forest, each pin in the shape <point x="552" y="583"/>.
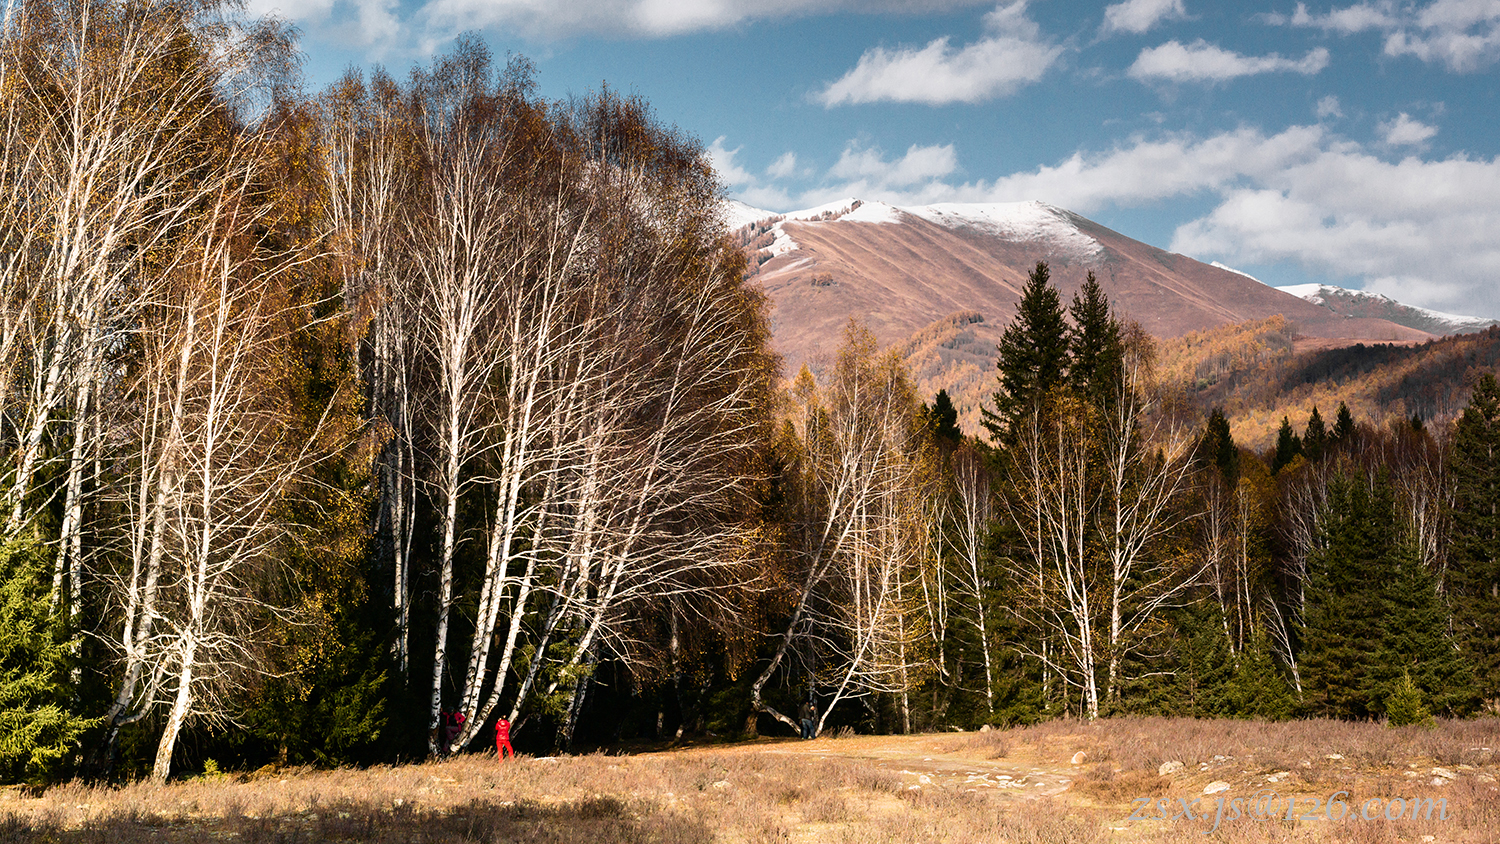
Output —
<point x="337" y="426"/>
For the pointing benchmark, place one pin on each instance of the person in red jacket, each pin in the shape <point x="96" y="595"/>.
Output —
<point x="502" y="739"/>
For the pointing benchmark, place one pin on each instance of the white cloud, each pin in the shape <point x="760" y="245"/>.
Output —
<point x="1418" y="230"/>
<point x="1329" y="107"/>
<point x="784" y="166"/>
<point x="723" y="163"/>
<point x="1350" y="19"/>
<point x="652" y="18"/>
<point x="361" y="23"/>
<point x="870" y="168"/>
<point x="1463" y="35"/>
<point x="1137" y="16"/>
<point x="1204" y="62"/>
<point x="1011" y="55"/>
<point x="1421" y="231"/>
<point x="1404" y="131"/>
<point x="1152" y="170"/>
<point x="915" y="177"/>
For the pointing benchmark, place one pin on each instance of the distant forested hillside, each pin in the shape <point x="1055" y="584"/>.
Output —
<point x="1256" y="373"/>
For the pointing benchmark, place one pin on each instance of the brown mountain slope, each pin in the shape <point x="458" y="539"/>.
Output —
<point x="943" y="281"/>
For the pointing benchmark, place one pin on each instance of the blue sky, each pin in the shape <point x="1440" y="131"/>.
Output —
<point x="1353" y="144"/>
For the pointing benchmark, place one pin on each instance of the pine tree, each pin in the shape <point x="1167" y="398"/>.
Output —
<point x="1095" y="346"/>
<point x="1414" y="644"/>
<point x="1343" y="426"/>
<point x="1288" y="446"/>
<point x="1473" y="579"/>
<point x="942" y="420"/>
<point x="1406" y="705"/>
<point x="1258" y="689"/>
<point x="1217" y="447"/>
<point x="1033" y="355"/>
<point x="38" y="735"/>
<point x="1348" y="573"/>
<point x="1315" y="438"/>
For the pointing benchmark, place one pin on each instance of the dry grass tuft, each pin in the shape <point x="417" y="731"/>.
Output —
<point x="1106" y="785"/>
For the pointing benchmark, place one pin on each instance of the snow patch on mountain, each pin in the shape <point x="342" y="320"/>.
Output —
<point x="873" y="212"/>
<point x="1311" y="292"/>
<point x="1230" y="269"/>
<point x="1342" y="300"/>
<point x="1035" y="222"/>
<point x="738" y="215"/>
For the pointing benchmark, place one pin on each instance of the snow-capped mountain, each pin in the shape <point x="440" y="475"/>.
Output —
<point x="1358" y="303"/>
<point x="942" y="281"/>
<point x="900" y="268"/>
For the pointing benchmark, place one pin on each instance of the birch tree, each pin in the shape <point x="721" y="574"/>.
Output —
<point x="865" y="496"/>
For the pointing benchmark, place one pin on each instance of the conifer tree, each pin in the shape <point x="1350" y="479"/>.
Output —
<point x="942" y="419"/>
<point x="1033" y="355"/>
<point x="38" y="734"/>
<point x="1473" y="577"/>
<point x="1258" y="689"/>
<point x="1217" y="447"/>
<point x="1096" y="349"/>
<point x="1348" y="572"/>
<point x="1288" y="446"/>
<point x="1343" y="426"/>
<point x="1406" y="706"/>
<point x="1414" y="645"/>
<point x="1315" y="438"/>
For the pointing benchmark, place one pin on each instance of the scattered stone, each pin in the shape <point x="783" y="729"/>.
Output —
<point x="986" y="728"/>
<point x="1439" y="781"/>
<point x="1335" y="757"/>
<point x="721" y="784"/>
<point x="923" y="779"/>
<point x="1278" y="776"/>
<point x="914" y="788"/>
<point x="1079" y="757"/>
<point x="1166" y="769"/>
<point x="1445" y="773"/>
<point x="1486" y="778"/>
<point x="1222" y="758"/>
<point x="1410" y="774"/>
<point x="1429" y="838"/>
<point x="1215" y="787"/>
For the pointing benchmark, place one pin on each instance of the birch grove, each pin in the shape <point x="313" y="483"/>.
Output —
<point x="336" y="427"/>
<point x="561" y="337"/>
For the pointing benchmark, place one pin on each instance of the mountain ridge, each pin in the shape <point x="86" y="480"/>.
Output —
<point x="940" y="282"/>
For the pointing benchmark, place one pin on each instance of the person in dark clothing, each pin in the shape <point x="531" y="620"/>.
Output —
<point x="454" y="727"/>
<point x="809" y="716"/>
<point x="443" y="735"/>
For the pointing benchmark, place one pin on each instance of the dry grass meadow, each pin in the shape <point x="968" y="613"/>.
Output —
<point x="1020" y="785"/>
